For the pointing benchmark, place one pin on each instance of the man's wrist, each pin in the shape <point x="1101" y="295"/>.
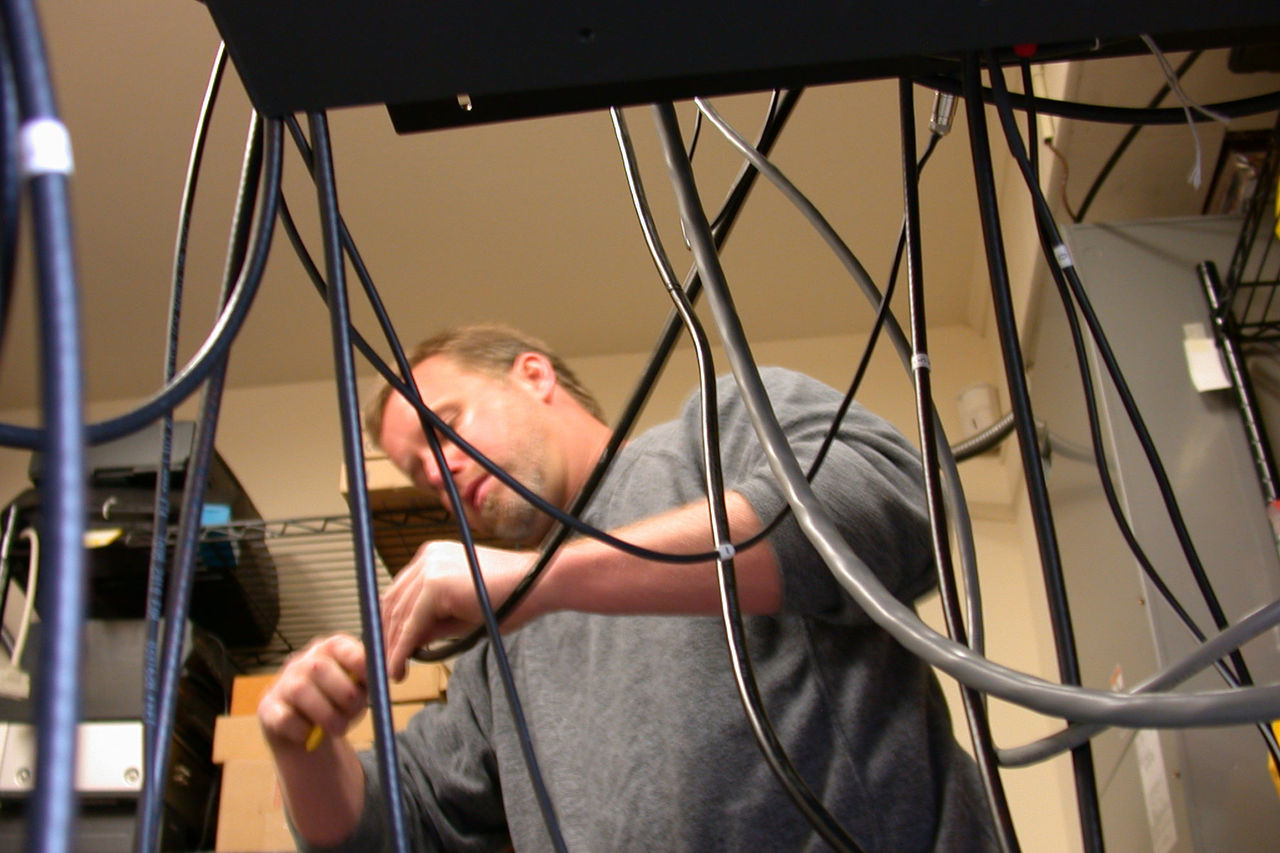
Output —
<point x="563" y="585"/>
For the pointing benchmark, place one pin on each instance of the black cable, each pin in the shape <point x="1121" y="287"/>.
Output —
<point x="1033" y="131"/>
<point x="964" y="535"/>
<point x="1031" y="175"/>
<point x="780" y="109"/>
<point x="1046" y="537"/>
<point x="10" y="182"/>
<point x="1050" y="239"/>
<point x="1130" y="135"/>
<point x="357" y="495"/>
<point x="704" y="251"/>
<point x="744" y="679"/>
<point x="45" y="166"/>
<point x="261" y="170"/>
<point x="160" y="516"/>
<point x="342" y="240"/>
<point x="189" y="378"/>
<point x="864" y="362"/>
<point x="1144" y="438"/>
<point x="974" y="707"/>
<point x="697" y="133"/>
<point x="1113" y="115"/>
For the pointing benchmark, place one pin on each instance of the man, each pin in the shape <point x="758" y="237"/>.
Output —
<point x="621" y="662"/>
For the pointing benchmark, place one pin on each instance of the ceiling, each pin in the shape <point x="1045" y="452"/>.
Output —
<point x="527" y="222"/>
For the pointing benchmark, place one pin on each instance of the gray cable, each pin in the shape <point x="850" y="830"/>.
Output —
<point x="1203" y="657"/>
<point x="957" y="506"/>
<point x="1210" y="708"/>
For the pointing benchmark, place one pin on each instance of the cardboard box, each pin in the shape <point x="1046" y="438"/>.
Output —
<point x="388" y="487"/>
<point x="236" y="738"/>
<point x="423" y="682"/>
<point x="251" y="808"/>
<point x="404" y="516"/>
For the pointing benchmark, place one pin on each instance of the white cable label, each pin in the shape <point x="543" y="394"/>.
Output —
<point x="1062" y="256"/>
<point x="920" y="361"/>
<point x="45" y="148"/>
<point x="726" y="551"/>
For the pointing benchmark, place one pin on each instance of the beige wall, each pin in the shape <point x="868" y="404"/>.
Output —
<point x="284" y="445"/>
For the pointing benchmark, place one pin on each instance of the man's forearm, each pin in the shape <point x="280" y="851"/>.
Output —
<point x="593" y="577"/>
<point x="323" y="790"/>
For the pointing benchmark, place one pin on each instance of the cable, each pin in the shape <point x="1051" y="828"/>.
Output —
<point x="1204" y="655"/>
<point x="202" y="363"/>
<point x="1113" y="115"/>
<point x="338" y="242"/>
<point x="958" y="661"/>
<point x="362" y="528"/>
<point x="1127" y="140"/>
<point x="734" y="203"/>
<point x="957" y="505"/>
<point x="6" y="539"/>
<point x="464" y="527"/>
<point x="10" y="183"/>
<point x="1062" y="273"/>
<point x="29" y="606"/>
<point x="1033" y="471"/>
<point x="260" y="177"/>
<point x="748" y="691"/>
<point x="1143" y="435"/>
<point x="160" y="517"/>
<point x="1207" y="708"/>
<point x="405" y="369"/>
<point x="781" y="106"/>
<point x="46" y="166"/>
<point x="975" y="709"/>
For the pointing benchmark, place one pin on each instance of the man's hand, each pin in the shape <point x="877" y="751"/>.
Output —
<point x="323" y="788"/>
<point x="434" y="596"/>
<point x="323" y="685"/>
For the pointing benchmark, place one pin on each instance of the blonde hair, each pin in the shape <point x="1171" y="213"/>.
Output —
<point x="488" y="348"/>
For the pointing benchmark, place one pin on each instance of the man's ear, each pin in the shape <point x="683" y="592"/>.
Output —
<point x="533" y="371"/>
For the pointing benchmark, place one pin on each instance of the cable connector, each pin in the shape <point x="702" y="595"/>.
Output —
<point x="944" y="111"/>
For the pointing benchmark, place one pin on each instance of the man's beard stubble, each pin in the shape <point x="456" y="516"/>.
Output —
<point x="511" y="519"/>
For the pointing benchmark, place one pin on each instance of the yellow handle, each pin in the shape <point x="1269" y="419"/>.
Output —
<point x="317" y="734"/>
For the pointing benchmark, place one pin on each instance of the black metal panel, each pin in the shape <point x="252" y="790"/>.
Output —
<point x="516" y="59"/>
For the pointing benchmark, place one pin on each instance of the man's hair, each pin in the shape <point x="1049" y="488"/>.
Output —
<point x="487" y="348"/>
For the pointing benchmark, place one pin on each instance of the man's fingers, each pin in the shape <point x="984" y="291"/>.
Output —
<point x="322" y="686"/>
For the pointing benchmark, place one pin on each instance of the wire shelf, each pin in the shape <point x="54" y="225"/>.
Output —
<point x="315" y="568"/>
<point x="1250" y="303"/>
<point x="1246" y="316"/>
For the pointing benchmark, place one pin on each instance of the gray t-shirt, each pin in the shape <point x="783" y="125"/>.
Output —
<point x="636" y="721"/>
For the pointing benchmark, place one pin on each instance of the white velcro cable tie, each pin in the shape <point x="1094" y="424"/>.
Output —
<point x="920" y="361"/>
<point x="726" y="551"/>
<point x="1062" y="256"/>
<point x="45" y="148"/>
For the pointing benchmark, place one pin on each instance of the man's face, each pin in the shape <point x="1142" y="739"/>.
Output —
<point x="501" y="417"/>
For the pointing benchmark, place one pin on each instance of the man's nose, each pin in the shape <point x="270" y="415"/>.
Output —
<point x="454" y="459"/>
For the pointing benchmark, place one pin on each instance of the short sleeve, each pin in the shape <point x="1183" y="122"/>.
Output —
<point x="870" y="481"/>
